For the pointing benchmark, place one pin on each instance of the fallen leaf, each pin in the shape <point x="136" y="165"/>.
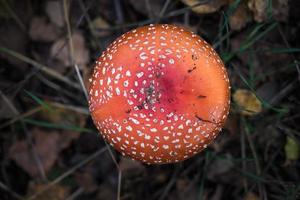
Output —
<point x="292" y="149"/>
<point x="248" y="102"/>
<point x="258" y="7"/>
<point x="61" y="115"/>
<point x="81" y="53"/>
<point x="41" y="30"/>
<point x="240" y="17"/>
<point x="55" y="12"/>
<point x="15" y="40"/>
<point x="209" y="7"/>
<point x="99" y="25"/>
<point x="261" y="9"/>
<point x="106" y="192"/>
<point x="232" y="124"/>
<point x="280" y="10"/>
<point x="66" y="137"/>
<point x="251" y="196"/>
<point x="127" y="164"/>
<point x="86" y="181"/>
<point x="46" y="148"/>
<point x="219" y="166"/>
<point x="152" y="10"/>
<point x="55" y="192"/>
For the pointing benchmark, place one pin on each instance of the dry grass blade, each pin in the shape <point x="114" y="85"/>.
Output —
<point x="72" y="49"/>
<point x="84" y="88"/>
<point x="41" y="67"/>
<point x="69" y="172"/>
<point x="29" y="139"/>
<point x="12" y="193"/>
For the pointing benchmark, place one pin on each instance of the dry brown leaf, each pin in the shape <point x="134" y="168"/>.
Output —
<point x="218" y="167"/>
<point x="100" y="24"/>
<point x="46" y="147"/>
<point x="54" y="10"/>
<point x="127" y="164"/>
<point x="232" y="123"/>
<point x="251" y="196"/>
<point x="66" y="137"/>
<point x="209" y="7"/>
<point x="105" y="192"/>
<point x="41" y="30"/>
<point x="248" y="102"/>
<point x="86" y="180"/>
<point x="258" y="7"/>
<point x="16" y="40"/>
<point x="81" y="53"/>
<point x="280" y="9"/>
<point x="151" y="10"/>
<point x="56" y="192"/>
<point x="240" y="17"/>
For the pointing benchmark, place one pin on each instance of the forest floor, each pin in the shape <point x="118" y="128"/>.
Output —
<point x="50" y="149"/>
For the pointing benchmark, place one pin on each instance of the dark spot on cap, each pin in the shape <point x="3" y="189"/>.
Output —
<point x="194" y="57"/>
<point x="201" y="96"/>
<point x="190" y="70"/>
<point x="128" y="111"/>
<point x="204" y="120"/>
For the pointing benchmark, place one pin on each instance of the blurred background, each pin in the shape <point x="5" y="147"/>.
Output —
<point x="50" y="149"/>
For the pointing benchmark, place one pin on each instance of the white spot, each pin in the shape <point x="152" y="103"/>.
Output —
<point x="153" y="130"/>
<point x="143" y="56"/>
<point x="129" y="128"/>
<point x="128" y="73"/>
<point x="147" y="137"/>
<point x="166" y="137"/>
<point x="118" y="91"/>
<point x="140" y="74"/>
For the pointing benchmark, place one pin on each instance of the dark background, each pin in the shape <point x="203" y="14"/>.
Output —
<point x="50" y="149"/>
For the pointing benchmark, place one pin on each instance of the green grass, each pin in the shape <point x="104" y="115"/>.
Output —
<point x="50" y="125"/>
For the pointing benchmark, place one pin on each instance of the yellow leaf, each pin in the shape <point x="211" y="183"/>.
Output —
<point x="209" y="7"/>
<point x="251" y="196"/>
<point x="248" y="102"/>
<point x="56" y="192"/>
<point x="292" y="149"/>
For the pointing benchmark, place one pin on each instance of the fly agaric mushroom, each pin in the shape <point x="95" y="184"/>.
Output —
<point x="159" y="94"/>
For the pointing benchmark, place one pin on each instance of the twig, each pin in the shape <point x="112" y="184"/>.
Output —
<point x="75" y="194"/>
<point x="169" y="15"/>
<point x="14" y="15"/>
<point x="21" y="116"/>
<point x="287" y="44"/>
<point x="119" y="185"/>
<point x="72" y="49"/>
<point x="164" y="8"/>
<point x="82" y="85"/>
<point x="11" y="192"/>
<point x="119" y="12"/>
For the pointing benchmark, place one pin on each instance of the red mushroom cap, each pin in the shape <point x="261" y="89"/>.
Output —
<point x="159" y="94"/>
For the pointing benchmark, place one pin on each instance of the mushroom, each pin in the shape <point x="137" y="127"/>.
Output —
<point x="159" y="94"/>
